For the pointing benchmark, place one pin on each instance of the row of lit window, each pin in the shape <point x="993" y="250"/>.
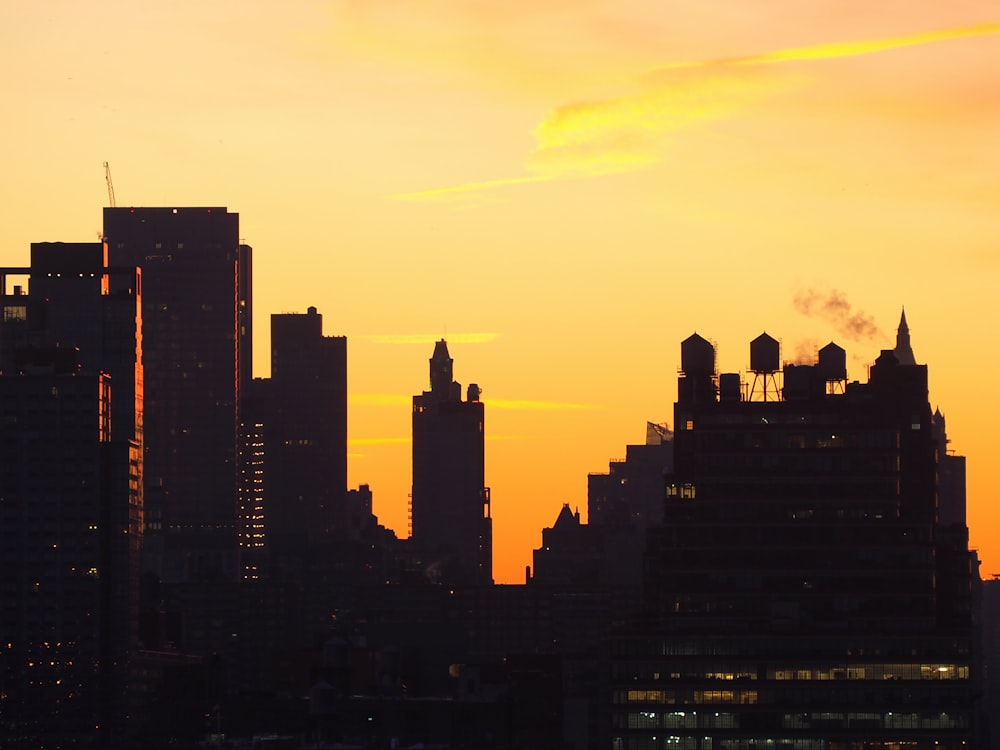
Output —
<point x="815" y="720"/>
<point x="671" y="697"/>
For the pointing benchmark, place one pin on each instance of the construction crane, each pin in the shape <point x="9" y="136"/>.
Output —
<point x="111" y="187"/>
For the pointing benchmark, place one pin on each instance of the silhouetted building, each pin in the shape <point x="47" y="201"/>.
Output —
<point x="305" y="435"/>
<point x="196" y="317"/>
<point x="632" y="490"/>
<point x="450" y="505"/>
<point x="801" y="592"/>
<point x="70" y="495"/>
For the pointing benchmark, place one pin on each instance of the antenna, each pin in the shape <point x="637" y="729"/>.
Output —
<point x="111" y="187"/>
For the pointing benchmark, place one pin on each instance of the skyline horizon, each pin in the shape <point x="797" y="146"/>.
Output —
<point x="654" y="169"/>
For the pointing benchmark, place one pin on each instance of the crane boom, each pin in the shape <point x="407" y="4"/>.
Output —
<point x="111" y="187"/>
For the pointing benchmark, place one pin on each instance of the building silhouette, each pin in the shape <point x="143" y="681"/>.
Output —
<point x="450" y="505"/>
<point x="196" y="330"/>
<point x="802" y="591"/>
<point x="299" y="419"/>
<point x="70" y="495"/>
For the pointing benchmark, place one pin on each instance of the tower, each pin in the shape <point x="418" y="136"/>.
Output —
<point x="196" y="304"/>
<point x="450" y="505"/>
<point x="903" y="350"/>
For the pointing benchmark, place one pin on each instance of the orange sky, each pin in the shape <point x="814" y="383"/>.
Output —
<point x="564" y="193"/>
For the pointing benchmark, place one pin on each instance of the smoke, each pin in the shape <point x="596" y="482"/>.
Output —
<point x="805" y="352"/>
<point x="834" y="308"/>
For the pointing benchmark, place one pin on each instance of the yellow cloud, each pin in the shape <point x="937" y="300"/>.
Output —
<point x="430" y="338"/>
<point x="516" y="405"/>
<point x="612" y="136"/>
<point x="378" y="399"/>
<point x="842" y="49"/>
<point x="396" y="400"/>
<point x="378" y="441"/>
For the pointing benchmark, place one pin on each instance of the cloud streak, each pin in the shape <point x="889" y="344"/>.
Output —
<point x="628" y="133"/>
<point x="395" y="400"/>
<point x="430" y="338"/>
<point x="840" y="49"/>
<point x="834" y="308"/>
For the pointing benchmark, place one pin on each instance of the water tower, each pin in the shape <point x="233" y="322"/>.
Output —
<point x="765" y="355"/>
<point x="697" y="381"/>
<point x="833" y="367"/>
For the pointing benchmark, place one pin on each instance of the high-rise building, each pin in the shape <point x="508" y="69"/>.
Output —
<point x="70" y="494"/>
<point x="301" y="412"/>
<point x="802" y="592"/>
<point x="196" y="313"/>
<point x="450" y="504"/>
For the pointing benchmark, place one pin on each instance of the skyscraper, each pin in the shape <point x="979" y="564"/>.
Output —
<point x="303" y="412"/>
<point x="802" y="592"/>
<point x="70" y="494"/>
<point x="450" y="504"/>
<point x="196" y="308"/>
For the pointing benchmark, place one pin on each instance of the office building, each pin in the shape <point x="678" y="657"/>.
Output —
<point x="196" y="313"/>
<point x="802" y="592"/>
<point x="450" y="504"/>
<point x="70" y="495"/>
<point x="300" y="413"/>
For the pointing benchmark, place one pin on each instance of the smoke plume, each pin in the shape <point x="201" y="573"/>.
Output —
<point x="834" y="308"/>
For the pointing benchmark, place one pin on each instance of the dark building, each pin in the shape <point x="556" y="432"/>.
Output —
<point x="802" y="592"/>
<point x="450" y="505"/>
<point x="70" y="496"/>
<point x="306" y="434"/>
<point x="632" y="490"/>
<point x="196" y="317"/>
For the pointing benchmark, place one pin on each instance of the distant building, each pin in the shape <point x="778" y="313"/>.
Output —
<point x="450" y="504"/>
<point x="632" y="490"/>
<point x="70" y="495"/>
<point x="802" y="592"/>
<point x="197" y="308"/>
<point x="303" y="410"/>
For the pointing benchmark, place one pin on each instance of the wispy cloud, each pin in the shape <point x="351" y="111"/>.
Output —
<point x="841" y="49"/>
<point x="834" y="308"/>
<point x="395" y="400"/>
<point x="628" y="133"/>
<point x="379" y="399"/>
<point x="520" y="405"/>
<point x="430" y="338"/>
<point x="378" y="441"/>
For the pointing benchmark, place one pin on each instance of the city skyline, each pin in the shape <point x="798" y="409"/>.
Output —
<point x="845" y="169"/>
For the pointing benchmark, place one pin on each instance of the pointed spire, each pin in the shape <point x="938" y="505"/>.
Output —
<point x="903" y="350"/>
<point x="442" y="367"/>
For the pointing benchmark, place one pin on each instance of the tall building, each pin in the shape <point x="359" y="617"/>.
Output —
<point x="70" y="495"/>
<point x="301" y="412"/>
<point x="196" y="313"/>
<point x="802" y="592"/>
<point x="450" y="504"/>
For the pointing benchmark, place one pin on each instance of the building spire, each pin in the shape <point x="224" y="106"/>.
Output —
<point x="903" y="350"/>
<point x="442" y="367"/>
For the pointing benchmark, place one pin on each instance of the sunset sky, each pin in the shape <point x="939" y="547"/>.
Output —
<point x="563" y="190"/>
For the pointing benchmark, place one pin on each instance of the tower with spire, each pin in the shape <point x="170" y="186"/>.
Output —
<point x="903" y="350"/>
<point x="450" y="504"/>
